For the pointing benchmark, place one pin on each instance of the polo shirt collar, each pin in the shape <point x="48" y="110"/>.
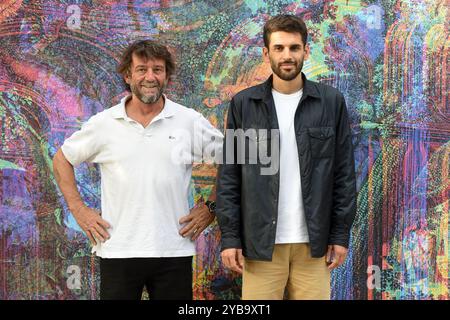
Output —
<point x="120" y="113"/>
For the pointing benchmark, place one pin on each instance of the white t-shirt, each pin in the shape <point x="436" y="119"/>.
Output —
<point x="145" y="176"/>
<point x="291" y="226"/>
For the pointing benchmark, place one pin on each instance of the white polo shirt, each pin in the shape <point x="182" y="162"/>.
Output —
<point x="145" y="175"/>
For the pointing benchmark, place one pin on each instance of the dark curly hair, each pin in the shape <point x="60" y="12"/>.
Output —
<point x="286" y="23"/>
<point x="146" y="49"/>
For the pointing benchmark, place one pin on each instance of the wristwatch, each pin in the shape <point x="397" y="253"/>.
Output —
<point x="211" y="206"/>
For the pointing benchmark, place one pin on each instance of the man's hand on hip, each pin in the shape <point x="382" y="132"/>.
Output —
<point x="197" y="220"/>
<point x="233" y="259"/>
<point x="336" y="256"/>
<point x="92" y="224"/>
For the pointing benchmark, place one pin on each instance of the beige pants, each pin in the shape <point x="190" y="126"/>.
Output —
<point x="291" y="268"/>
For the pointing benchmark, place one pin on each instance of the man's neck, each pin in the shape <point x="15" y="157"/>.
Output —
<point x="143" y="112"/>
<point x="287" y="87"/>
<point x="136" y="106"/>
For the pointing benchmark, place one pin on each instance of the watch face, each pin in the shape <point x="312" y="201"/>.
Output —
<point x="211" y="206"/>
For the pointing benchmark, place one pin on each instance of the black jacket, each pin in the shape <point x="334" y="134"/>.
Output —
<point x="247" y="201"/>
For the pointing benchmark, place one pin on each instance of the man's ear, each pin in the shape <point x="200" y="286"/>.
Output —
<point x="127" y="77"/>
<point x="307" y="51"/>
<point x="266" y="55"/>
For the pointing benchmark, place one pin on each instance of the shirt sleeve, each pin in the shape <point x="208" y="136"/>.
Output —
<point x="84" y="145"/>
<point x="208" y="142"/>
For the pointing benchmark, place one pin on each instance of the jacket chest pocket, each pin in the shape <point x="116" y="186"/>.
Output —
<point x="322" y="142"/>
<point x="258" y="147"/>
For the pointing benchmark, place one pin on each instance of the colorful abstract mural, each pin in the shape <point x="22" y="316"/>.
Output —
<point x="389" y="58"/>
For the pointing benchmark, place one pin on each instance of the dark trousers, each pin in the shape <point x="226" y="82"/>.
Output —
<point x="164" y="278"/>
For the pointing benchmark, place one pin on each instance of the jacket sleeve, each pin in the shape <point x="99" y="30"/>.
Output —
<point x="228" y="197"/>
<point x="344" y="186"/>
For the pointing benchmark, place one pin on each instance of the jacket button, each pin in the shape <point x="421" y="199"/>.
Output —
<point x="273" y="222"/>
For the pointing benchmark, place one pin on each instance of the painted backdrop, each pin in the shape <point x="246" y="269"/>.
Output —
<point x="389" y="58"/>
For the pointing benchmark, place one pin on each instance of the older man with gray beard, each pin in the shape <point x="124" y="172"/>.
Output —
<point x="145" y="232"/>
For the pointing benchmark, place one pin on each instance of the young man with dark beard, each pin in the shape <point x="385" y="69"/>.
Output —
<point x="289" y="229"/>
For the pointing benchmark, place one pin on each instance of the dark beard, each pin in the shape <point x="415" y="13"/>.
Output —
<point x="287" y="76"/>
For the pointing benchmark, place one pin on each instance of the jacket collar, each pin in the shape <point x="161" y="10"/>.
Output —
<point x="264" y="90"/>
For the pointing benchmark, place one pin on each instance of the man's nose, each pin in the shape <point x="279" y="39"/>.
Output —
<point x="149" y="75"/>
<point x="286" y="54"/>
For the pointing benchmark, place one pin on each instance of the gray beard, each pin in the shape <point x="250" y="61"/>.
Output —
<point x="147" y="99"/>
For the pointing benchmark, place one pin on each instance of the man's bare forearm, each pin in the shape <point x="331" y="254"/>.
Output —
<point x="65" y="177"/>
